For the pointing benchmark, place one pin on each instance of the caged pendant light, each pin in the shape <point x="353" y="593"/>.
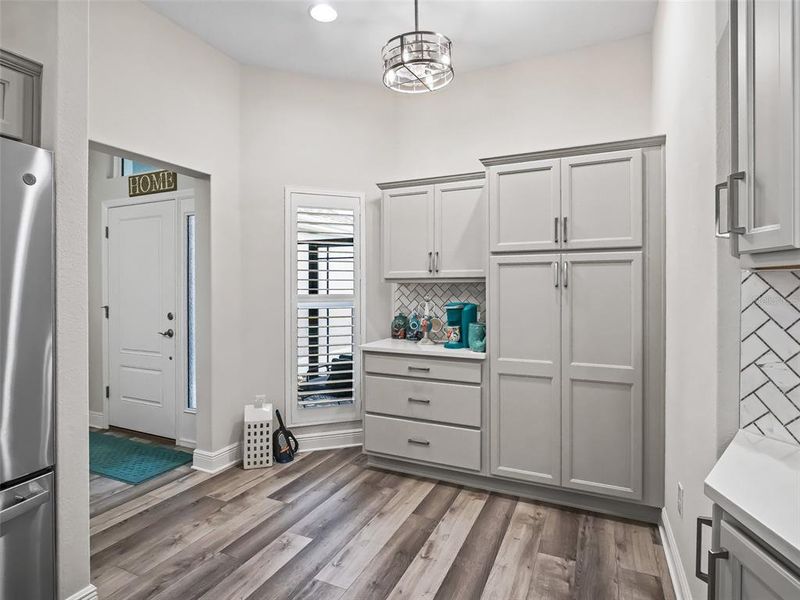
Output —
<point x="418" y="61"/>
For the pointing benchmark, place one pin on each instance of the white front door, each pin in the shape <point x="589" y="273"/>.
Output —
<point x="142" y="333"/>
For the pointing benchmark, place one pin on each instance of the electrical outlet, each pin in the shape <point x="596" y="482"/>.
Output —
<point x="680" y="498"/>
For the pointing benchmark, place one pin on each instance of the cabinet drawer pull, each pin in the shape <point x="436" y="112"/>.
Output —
<point x="419" y="400"/>
<point x="713" y="556"/>
<point x="423" y="369"/>
<point x="430" y="262"/>
<point x="565" y="230"/>
<point x="555" y="229"/>
<point x="733" y="202"/>
<point x="436" y="262"/>
<point x="555" y="274"/>
<point x="717" y="209"/>
<point x="566" y="274"/>
<point x="419" y="442"/>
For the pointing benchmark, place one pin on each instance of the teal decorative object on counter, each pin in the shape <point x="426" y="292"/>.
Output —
<point x="399" y="326"/>
<point x="477" y="337"/>
<point x="414" y="329"/>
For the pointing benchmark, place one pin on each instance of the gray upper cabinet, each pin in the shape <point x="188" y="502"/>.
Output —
<point x="435" y="228"/>
<point x="525" y="337"/>
<point x="20" y="98"/>
<point x="572" y="203"/>
<point x="763" y="213"/>
<point x="525" y="206"/>
<point x="601" y="364"/>
<point x="601" y="200"/>
<point x="748" y="572"/>
<point x="408" y="232"/>
<point x="460" y="219"/>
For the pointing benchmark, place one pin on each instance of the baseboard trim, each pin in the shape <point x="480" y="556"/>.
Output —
<point x="329" y="440"/>
<point x="186" y="443"/>
<point x="87" y="593"/>
<point x="218" y="460"/>
<point x="560" y="497"/>
<point x="679" y="581"/>
<point x="98" y="420"/>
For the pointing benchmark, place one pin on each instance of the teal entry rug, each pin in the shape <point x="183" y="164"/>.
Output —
<point x="131" y="461"/>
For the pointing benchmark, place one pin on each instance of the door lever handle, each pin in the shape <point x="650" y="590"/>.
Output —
<point x="167" y="334"/>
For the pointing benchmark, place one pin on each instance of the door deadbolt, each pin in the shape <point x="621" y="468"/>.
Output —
<point x="170" y="316"/>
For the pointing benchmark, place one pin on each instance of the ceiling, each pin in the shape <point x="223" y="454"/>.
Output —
<point x="280" y="34"/>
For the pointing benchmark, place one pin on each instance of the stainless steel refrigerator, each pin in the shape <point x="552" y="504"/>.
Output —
<point x="27" y="316"/>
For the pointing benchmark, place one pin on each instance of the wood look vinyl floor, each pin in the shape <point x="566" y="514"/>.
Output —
<point x="327" y="527"/>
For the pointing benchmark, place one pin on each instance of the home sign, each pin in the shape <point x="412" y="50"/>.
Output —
<point x="152" y="183"/>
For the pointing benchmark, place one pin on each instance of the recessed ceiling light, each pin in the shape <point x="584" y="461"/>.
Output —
<point x="324" y="13"/>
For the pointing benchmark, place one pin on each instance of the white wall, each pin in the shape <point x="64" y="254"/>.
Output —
<point x="299" y="130"/>
<point x="684" y="107"/>
<point x="591" y="95"/>
<point x="160" y="92"/>
<point x="56" y="35"/>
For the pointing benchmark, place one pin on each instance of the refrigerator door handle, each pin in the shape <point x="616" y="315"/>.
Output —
<point x="24" y="506"/>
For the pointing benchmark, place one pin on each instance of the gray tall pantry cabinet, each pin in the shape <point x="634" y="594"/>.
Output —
<point x="576" y="310"/>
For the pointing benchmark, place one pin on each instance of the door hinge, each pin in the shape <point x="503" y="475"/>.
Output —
<point x="106" y="232"/>
<point x="105" y="310"/>
<point x="108" y="391"/>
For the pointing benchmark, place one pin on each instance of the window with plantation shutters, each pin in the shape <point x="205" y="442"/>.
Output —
<point x="324" y="256"/>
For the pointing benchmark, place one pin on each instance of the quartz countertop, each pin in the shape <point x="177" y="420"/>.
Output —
<point x="757" y="482"/>
<point x="391" y="346"/>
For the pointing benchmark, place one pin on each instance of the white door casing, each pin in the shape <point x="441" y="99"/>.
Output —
<point x="525" y="206"/>
<point x="602" y="347"/>
<point x="525" y="346"/>
<point x="141" y="283"/>
<point x="460" y="218"/>
<point x="601" y="200"/>
<point x="408" y="233"/>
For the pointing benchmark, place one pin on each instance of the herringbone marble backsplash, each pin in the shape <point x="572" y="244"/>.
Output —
<point x="411" y="296"/>
<point x="770" y="354"/>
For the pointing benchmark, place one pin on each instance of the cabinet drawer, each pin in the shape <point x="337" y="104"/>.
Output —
<point x="429" y="368"/>
<point x="441" y="444"/>
<point x="420" y="399"/>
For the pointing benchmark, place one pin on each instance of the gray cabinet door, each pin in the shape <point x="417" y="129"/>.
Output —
<point x="20" y="98"/>
<point x="460" y="218"/>
<point x="601" y="200"/>
<point x="15" y="91"/>
<point x="602" y="373"/>
<point x="750" y="573"/>
<point x="524" y="347"/>
<point x="408" y="233"/>
<point x="767" y="116"/>
<point x="524" y="206"/>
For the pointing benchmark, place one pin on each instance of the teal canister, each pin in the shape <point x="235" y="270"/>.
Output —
<point x="477" y="337"/>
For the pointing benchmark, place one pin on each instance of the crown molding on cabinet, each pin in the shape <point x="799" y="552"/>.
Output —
<point x="645" y="142"/>
<point x="391" y="185"/>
